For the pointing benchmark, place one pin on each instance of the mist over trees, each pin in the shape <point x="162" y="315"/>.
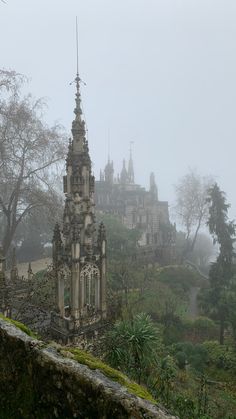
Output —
<point x="155" y="335"/>
<point x="153" y="298"/>
<point x="29" y="154"/>
<point x="191" y="207"/>
<point x="222" y="272"/>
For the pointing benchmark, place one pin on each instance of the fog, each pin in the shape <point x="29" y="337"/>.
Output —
<point x="160" y="73"/>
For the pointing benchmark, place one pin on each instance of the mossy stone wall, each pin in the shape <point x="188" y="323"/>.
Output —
<point x="37" y="382"/>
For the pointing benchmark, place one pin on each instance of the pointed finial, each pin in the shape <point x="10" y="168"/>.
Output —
<point x="78" y="125"/>
<point x="131" y="166"/>
<point x="108" y="133"/>
<point x="77" y="47"/>
<point x="130" y="148"/>
<point x="77" y="110"/>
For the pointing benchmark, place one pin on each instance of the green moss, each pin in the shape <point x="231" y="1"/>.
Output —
<point x="20" y="326"/>
<point x="96" y="364"/>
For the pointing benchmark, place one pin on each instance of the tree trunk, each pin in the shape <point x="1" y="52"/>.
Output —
<point x="8" y="237"/>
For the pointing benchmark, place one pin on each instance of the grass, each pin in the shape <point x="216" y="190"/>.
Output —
<point x="96" y="364"/>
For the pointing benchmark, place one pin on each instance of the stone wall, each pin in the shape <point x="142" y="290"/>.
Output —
<point x="37" y="382"/>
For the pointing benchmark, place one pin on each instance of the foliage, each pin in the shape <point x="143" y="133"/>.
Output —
<point x="43" y="289"/>
<point x="191" y="207"/>
<point x="204" y="323"/>
<point x="222" y="230"/>
<point x="188" y="354"/>
<point x="165" y="293"/>
<point x="179" y="279"/>
<point x="35" y="231"/>
<point x="26" y="171"/>
<point x="184" y="407"/>
<point x="167" y="372"/>
<point x="121" y="240"/>
<point x="220" y="356"/>
<point x="130" y="345"/>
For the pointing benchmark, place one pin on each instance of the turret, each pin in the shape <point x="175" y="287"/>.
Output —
<point x="153" y="187"/>
<point x="130" y="169"/>
<point x="102" y="239"/>
<point x="109" y="172"/>
<point x="124" y="174"/>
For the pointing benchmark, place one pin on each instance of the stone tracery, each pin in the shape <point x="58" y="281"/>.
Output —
<point x="76" y="245"/>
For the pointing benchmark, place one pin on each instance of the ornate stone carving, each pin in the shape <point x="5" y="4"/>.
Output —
<point x="79" y="245"/>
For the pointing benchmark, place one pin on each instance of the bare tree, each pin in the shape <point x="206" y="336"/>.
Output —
<point x="203" y="252"/>
<point x="191" y="206"/>
<point x="10" y="79"/>
<point x="29" y="154"/>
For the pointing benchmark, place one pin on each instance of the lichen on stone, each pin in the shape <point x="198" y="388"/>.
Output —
<point x="93" y="363"/>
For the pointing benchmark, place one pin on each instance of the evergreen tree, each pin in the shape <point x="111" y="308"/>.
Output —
<point x="221" y="271"/>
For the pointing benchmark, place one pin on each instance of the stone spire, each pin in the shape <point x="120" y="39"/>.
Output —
<point x="124" y="174"/>
<point x="79" y="142"/>
<point x="109" y="172"/>
<point x="79" y="257"/>
<point x="101" y="233"/>
<point x="153" y="187"/>
<point x="131" y="168"/>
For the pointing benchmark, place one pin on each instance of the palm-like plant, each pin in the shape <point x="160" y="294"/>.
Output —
<point x="131" y="345"/>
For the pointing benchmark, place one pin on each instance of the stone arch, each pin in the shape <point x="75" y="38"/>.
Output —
<point x="90" y="277"/>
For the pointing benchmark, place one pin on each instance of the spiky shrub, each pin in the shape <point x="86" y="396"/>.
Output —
<point x="131" y="345"/>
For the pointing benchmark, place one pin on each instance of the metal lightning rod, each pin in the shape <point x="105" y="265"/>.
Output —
<point x="77" y="47"/>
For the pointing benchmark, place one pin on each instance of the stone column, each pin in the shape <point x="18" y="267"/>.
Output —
<point x="60" y="293"/>
<point x="75" y="283"/>
<point x="68" y="179"/>
<point x="81" y="294"/>
<point x="75" y="290"/>
<point x="97" y="293"/>
<point x="103" y="306"/>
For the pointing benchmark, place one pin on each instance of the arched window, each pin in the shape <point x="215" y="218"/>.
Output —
<point x="91" y="279"/>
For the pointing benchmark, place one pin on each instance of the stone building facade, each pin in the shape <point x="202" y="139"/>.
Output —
<point x="138" y="208"/>
<point x="79" y="255"/>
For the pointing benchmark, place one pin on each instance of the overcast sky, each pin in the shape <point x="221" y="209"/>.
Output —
<point x="161" y="73"/>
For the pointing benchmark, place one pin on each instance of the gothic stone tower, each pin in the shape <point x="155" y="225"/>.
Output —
<point x="79" y="257"/>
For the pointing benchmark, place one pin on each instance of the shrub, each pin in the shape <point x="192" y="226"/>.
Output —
<point x="195" y="355"/>
<point x="220" y="355"/>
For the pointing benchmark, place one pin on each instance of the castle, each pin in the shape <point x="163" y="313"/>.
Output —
<point x="79" y="255"/>
<point x="137" y="208"/>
